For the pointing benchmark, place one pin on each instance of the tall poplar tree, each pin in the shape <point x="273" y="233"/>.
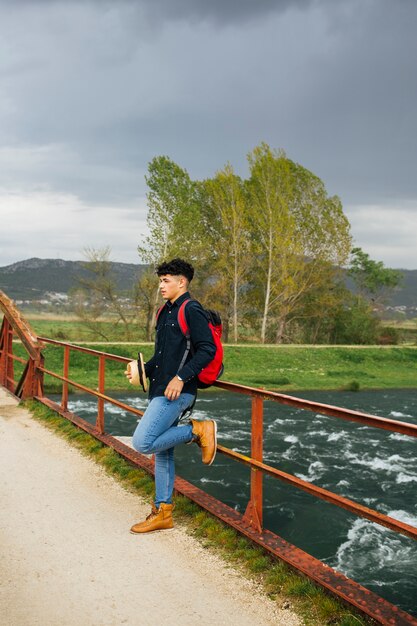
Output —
<point x="296" y="228"/>
<point x="226" y="226"/>
<point x="173" y="221"/>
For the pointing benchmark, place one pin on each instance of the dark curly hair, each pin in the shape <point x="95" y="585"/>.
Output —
<point x="176" y="267"/>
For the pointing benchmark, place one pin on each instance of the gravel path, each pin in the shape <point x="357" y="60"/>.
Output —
<point x="67" y="557"/>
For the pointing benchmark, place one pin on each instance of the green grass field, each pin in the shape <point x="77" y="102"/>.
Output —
<point x="70" y="328"/>
<point x="75" y="330"/>
<point x="282" y="368"/>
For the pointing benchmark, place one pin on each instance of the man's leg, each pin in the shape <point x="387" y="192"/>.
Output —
<point x="158" y="432"/>
<point x="164" y="477"/>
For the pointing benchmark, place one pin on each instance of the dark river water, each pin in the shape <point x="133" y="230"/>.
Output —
<point x="371" y="466"/>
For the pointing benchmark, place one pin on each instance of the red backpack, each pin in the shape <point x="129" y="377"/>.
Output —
<point x="215" y="368"/>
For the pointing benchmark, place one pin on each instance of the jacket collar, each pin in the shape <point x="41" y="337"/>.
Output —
<point x="179" y="300"/>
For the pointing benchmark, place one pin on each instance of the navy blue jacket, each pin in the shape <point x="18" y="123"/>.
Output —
<point x="171" y="344"/>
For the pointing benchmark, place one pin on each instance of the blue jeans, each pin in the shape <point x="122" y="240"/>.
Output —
<point x="157" y="432"/>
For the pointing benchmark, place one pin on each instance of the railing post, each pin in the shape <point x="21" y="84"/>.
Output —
<point x="65" y="372"/>
<point x="100" y="401"/>
<point x="3" y="353"/>
<point x="6" y="360"/>
<point x="38" y="376"/>
<point x="254" y="511"/>
<point x="31" y="381"/>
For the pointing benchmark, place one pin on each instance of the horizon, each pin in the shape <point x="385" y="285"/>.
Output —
<point x="403" y="269"/>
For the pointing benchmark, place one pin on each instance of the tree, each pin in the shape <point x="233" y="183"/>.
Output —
<point x="373" y="280"/>
<point x="311" y="320"/>
<point x="226" y="228"/>
<point x="98" y="295"/>
<point x="353" y="322"/>
<point x="173" y="220"/>
<point x="297" y="229"/>
<point x="269" y="194"/>
<point x="144" y="297"/>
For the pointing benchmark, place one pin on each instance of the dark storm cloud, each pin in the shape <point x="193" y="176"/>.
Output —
<point x="218" y="11"/>
<point x="335" y="85"/>
<point x="91" y="91"/>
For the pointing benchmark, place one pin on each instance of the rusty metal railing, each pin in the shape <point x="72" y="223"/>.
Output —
<point x="251" y="523"/>
<point x="30" y="382"/>
<point x="102" y="357"/>
<point x="255" y="462"/>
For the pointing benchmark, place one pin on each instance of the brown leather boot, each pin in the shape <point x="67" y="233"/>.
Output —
<point x="205" y="433"/>
<point x="158" y="519"/>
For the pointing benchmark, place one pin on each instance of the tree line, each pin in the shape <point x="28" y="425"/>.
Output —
<point x="271" y="254"/>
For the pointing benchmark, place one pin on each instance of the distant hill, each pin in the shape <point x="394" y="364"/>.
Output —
<point x="33" y="278"/>
<point x="406" y="295"/>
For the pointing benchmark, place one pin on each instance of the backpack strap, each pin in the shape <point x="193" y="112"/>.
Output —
<point x="158" y="313"/>
<point x="182" y="320"/>
<point x="185" y="329"/>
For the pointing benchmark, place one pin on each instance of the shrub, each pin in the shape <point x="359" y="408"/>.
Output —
<point x="388" y="336"/>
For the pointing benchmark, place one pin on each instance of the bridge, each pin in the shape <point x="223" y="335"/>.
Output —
<point x="33" y="366"/>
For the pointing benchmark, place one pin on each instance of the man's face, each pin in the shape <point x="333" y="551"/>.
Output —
<point x="171" y="287"/>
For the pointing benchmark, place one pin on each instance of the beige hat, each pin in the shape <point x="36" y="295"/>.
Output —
<point x="137" y="371"/>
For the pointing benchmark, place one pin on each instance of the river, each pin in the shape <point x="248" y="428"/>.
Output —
<point x="371" y="466"/>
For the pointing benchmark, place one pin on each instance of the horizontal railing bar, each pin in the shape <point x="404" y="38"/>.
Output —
<point x="113" y="357"/>
<point x="17" y="358"/>
<point x="323" y="494"/>
<point x="405" y="428"/>
<point x="97" y="394"/>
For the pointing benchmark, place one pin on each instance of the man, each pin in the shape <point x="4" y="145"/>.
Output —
<point x="173" y="389"/>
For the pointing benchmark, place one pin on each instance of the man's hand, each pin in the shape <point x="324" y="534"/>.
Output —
<point x="174" y="388"/>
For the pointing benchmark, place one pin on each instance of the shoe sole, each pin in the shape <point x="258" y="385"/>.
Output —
<point x="215" y="443"/>
<point x="157" y="530"/>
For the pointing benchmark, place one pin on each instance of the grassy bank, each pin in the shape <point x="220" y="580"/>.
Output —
<point x="283" y="368"/>
<point x="70" y="327"/>
<point x="286" y="587"/>
<point x="76" y="330"/>
<point x="298" y="368"/>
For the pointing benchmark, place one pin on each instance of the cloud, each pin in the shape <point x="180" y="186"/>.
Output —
<point x="220" y="12"/>
<point x="386" y="232"/>
<point x="53" y="225"/>
<point x="61" y="169"/>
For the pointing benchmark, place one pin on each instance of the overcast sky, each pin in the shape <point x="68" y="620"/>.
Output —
<point x="91" y="91"/>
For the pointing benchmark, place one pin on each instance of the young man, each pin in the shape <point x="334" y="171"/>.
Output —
<point x="173" y="389"/>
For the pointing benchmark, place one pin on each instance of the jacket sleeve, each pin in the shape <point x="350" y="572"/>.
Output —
<point x="201" y="341"/>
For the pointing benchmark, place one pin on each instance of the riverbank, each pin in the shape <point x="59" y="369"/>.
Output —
<point x="281" y="368"/>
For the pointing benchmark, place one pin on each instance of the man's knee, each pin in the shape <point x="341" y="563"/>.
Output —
<point x="141" y="445"/>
